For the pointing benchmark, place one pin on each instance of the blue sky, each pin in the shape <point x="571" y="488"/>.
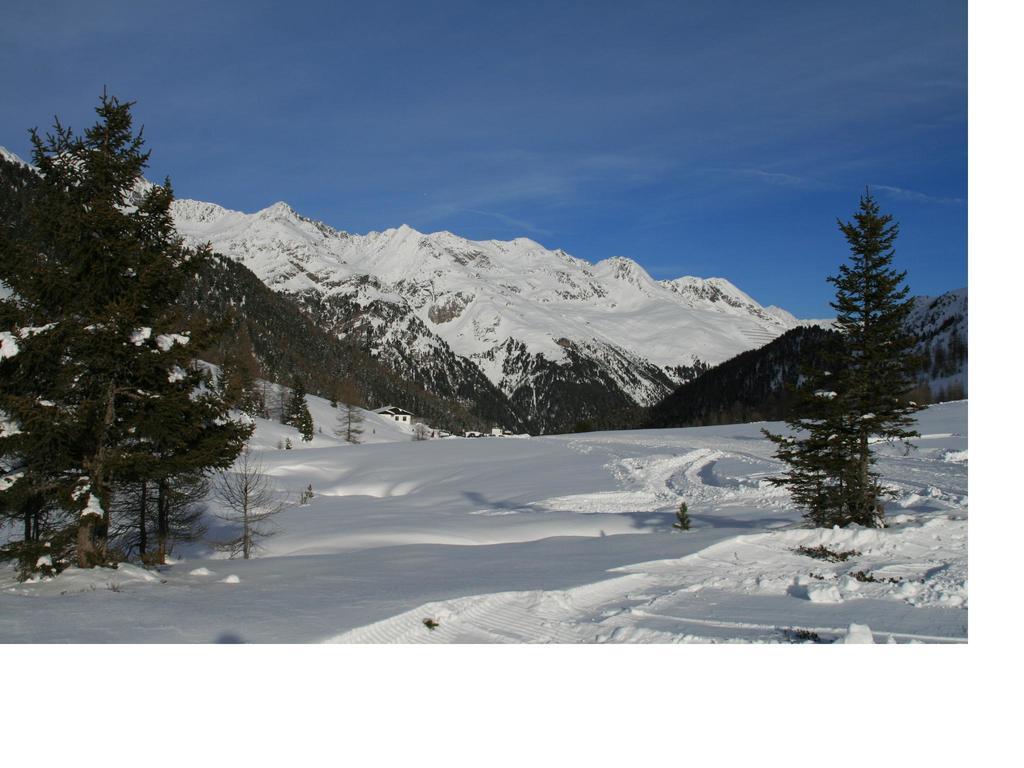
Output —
<point x="706" y="138"/>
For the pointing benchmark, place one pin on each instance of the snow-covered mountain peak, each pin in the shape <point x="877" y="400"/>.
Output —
<point x="525" y="316"/>
<point x="709" y="291"/>
<point x="278" y="211"/>
<point x="404" y="231"/>
<point x="10" y="157"/>
<point x="782" y="314"/>
<point x="480" y="296"/>
<point x="625" y="270"/>
<point x="404" y="236"/>
<point x="557" y="336"/>
<point x="197" y="211"/>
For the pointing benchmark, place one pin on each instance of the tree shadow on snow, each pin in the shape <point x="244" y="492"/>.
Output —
<point x="717" y="521"/>
<point x="655" y="522"/>
<point x="652" y="521"/>
<point x="658" y="522"/>
<point x="481" y="501"/>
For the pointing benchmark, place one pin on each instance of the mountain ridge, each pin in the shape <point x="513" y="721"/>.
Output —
<point x="562" y="339"/>
<point x="521" y="313"/>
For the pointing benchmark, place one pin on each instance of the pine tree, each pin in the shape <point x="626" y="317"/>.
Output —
<point x="296" y="413"/>
<point x="94" y="268"/>
<point x="239" y="372"/>
<point x="682" y="517"/>
<point x="860" y="395"/>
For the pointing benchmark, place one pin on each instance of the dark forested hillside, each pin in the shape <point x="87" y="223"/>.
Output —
<point x="283" y="341"/>
<point x="940" y="325"/>
<point x="389" y="334"/>
<point x="753" y="386"/>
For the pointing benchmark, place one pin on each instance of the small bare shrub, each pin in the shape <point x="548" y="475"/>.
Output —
<point x="824" y="553"/>
<point x="867" y="577"/>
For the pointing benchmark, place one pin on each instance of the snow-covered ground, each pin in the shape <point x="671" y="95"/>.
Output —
<point x="564" y="538"/>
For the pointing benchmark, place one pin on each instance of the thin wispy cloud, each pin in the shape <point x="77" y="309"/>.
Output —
<point x="498" y="185"/>
<point x="899" y="193"/>
<point x="511" y="221"/>
<point x="775" y="178"/>
<point x="515" y="120"/>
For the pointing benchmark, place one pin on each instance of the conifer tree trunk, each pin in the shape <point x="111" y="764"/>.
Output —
<point x="32" y="509"/>
<point x="868" y="500"/>
<point x="162" y="524"/>
<point x="92" y="528"/>
<point x="28" y="520"/>
<point x="38" y="502"/>
<point x="143" y="501"/>
<point x="86" y="542"/>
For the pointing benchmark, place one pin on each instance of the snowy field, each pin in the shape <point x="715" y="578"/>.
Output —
<point x="554" y="539"/>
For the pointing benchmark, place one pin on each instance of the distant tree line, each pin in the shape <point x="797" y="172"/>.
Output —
<point x="757" y="385"/>
<point x="267" y="336"/>
<point x="761" y="384"/>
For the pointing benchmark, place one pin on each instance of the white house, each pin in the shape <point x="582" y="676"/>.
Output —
<point x="394" y="413"/>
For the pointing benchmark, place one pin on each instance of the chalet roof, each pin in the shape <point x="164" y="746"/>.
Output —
<point x="393" y="410"/>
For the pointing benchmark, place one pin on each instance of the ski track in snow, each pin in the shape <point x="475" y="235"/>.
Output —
<point x="678" y="600"/>
<point x="920" y="560"/>
<point x="661" y="481"/>
<point x="907" y="582"/>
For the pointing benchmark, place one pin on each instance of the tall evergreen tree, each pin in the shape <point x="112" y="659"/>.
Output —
<point x="860" y="394"/>
<point x="239" y="372"/>
<point x="296" y="412"/>
<point x="98" y="356"/>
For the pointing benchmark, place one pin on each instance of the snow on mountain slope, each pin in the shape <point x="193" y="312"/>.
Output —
<point x="939" y="316"/>
<point x="554" y="539"/>
<point x="507" y="306"/>
<point x="10" y="157"/>
<point x="529" y="337"/>
<point x="940" y="323"/>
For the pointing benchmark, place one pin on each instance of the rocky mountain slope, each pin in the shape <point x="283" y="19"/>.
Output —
<point x="563" y="339"/>
<point x="270" y="334"/>
<point x="282" y="342"/>
<point x="756" y="385"/>
<point x="940" y="322"/>
<point x="487" y="331"/>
